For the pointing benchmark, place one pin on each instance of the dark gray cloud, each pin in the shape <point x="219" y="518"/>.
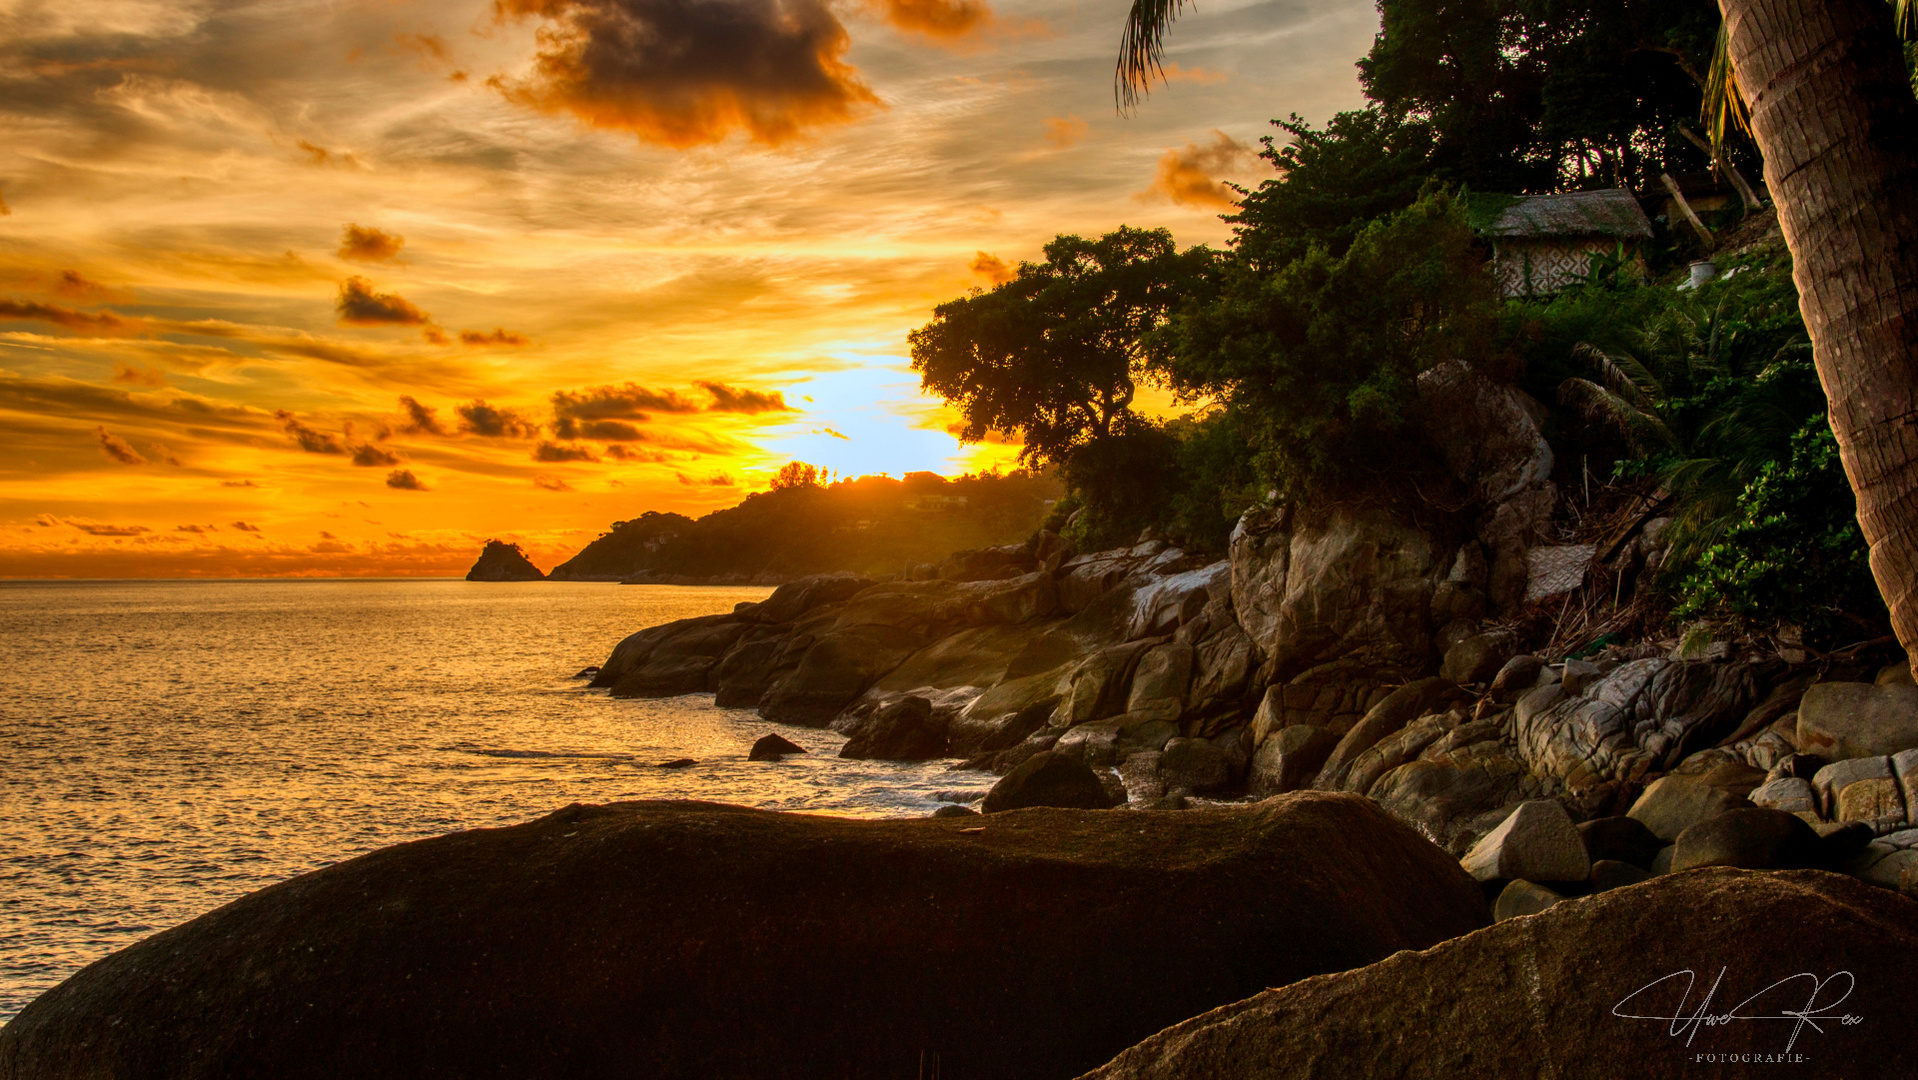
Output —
<point x="359" y="305"/>
<point x="555" y="452"/>
<point x="309" y="439"/>
<point x="404" y="480"/>
<point x="102" y="323"/>
<point x="420" y="420"/>
<point x="479" y="418"/>
<point x="687" y="72"/>
<point x="629" y="401"/>
<point x="627" y="453"/>
<point x="738" y="399"/>
<point x="369" y="456"/>
<point x="498" y="337"/>
<point x="245" y="528"/>
<point x="117" y="448"/>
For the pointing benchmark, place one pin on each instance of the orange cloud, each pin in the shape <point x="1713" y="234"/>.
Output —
<point x="128" y="375"/>
<point x="428" y="47"/>
<point x="718" y="479"/>
<point x="685" y="74"/>
<point x="75" y="286"/>
<point x="993" y="268"/>
<point x="1172" y="73"/>
<point x="551" y="483"/>
<point x="359" y="305"/>
<point x="945" y="19"/>
<point x="5" y="210"/>
<point x="369" y="244"/>
<point x="1064" y="131"/>
<point x="627" y="453"/>
<point x="1191" y="175"/>
<point x="117" y="448"/>
<point x="404" y="480"/>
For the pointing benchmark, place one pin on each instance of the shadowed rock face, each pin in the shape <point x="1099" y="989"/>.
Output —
<point x="690" y="940"/>
<point x="1536" y="996"/>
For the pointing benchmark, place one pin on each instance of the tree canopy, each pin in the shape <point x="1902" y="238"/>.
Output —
<point x="1054" y="354"/>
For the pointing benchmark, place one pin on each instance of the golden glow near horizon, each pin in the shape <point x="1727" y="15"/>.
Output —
<point x="348" y="286"/>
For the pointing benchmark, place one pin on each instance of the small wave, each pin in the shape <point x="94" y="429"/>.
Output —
<point x="547" y="754"/>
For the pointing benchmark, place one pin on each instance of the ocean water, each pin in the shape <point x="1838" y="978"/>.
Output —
<point x="169" y="746"/>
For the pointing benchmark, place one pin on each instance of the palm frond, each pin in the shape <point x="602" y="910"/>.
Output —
<point x="1723" y="105"/>
<point x="1903" y="19"/>
<point x="1622" y="374"/>
<point x="1142" y="48"/>
<point x="1642" y="431"/>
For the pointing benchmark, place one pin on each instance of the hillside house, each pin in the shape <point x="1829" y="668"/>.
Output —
<point x="1542" y="244"/>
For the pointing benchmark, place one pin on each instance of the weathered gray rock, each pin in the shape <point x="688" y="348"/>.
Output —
<point x="1613" y="874"/>
<point x="1520" y="898"/>
<point x="1834" y="778"/>
<point x="1839" y="720"/>
<point x="1787" y="793"/>
<point x="795" y="598"/>
<point x="1195" y="764"/>
<point x="1394" y="750"/>
<point x="1877" y="803"/>
<point x="1753" y="839"/>
<point x="1642" y="718"/>
<point x="772" y="747"/>
<point x="904" y="730"/>
<point x="834" y="671"/>
<point x="1047" y="779"/>
<point x="1160" y="682"/>
<point x="1538" y="842"/>
<point x="1541" y="997"/>
<point x="1673" y="804"/>
<point x="1620" y="839"/>
<point x="1289" y="760"/>
<point x="1904" y="765"/>
<point x="1459" y="793"/>
<point x="1518" y="676"/>
<point x="1478" y="658"/>
<point x="1349" y="582"/>
<point x="1399" y="708"/>
<point x="1578" y="675"/>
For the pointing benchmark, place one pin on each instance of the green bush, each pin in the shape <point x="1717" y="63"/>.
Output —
<point x="1792" y="554"/>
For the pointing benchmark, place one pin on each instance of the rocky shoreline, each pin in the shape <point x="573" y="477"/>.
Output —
<point x="1470" y="837"/>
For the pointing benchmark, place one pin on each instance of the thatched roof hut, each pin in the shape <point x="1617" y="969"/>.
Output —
<point x="1544" y="243"/>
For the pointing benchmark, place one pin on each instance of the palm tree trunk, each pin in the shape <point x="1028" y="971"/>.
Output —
<point x="1833" y="112"/>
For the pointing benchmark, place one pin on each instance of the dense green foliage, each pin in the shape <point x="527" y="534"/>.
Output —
<point x="872" y="524"/>
<point x="1320" y="357"/>
<point x="1791" y="552"/>
<point x="1540" y="95"/>
<point x="1332" y="183"/>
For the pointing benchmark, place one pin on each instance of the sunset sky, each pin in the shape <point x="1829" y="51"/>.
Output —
<point x="346" y="287"/>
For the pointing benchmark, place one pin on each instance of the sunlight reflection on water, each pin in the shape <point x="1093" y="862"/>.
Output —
<point x="166" y="747"/>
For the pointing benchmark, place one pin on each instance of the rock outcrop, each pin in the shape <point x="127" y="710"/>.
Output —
<point x="1587" y="984"/>
<point x="501" y="561"/>
<point x="695" y="941"/>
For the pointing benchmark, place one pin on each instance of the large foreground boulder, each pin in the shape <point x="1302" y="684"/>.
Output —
<point x="665" y="940"/>
<point x="1575" y="991"/>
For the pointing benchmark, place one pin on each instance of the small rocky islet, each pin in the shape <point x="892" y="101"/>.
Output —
<point x="1470" y="854"/>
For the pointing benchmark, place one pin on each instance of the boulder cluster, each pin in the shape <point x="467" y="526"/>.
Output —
<point x="1375" y="648"/>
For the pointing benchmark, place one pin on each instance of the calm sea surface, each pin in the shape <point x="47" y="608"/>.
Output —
<point x="166" y="747"/>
